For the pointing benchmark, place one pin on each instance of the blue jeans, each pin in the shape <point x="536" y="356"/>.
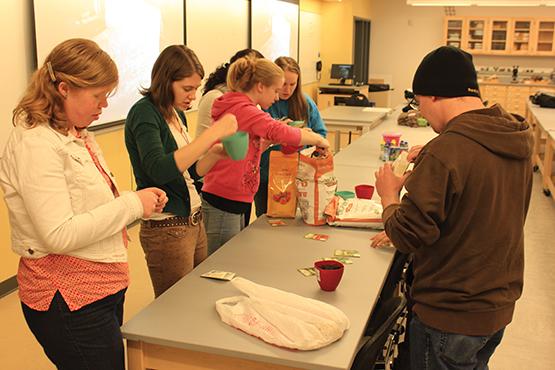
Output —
<point x="431" y="349"/>
<point x="86" y="339"/>
<point x="220" y="225"/>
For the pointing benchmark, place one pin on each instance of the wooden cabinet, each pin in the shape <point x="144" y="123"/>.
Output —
<point x="494" y="94"/>
<point x="501" y="36"/>
<point x="512" y="98"/>
<point x="545" y="40"/>
<point x="517" y="96"/>
<point x="521" y="38"/>
<point x="454" y="31"/>
<point x="475" y="35"/>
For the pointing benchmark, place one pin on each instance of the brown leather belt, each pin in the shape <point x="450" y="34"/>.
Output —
<point x="192" y="220"/>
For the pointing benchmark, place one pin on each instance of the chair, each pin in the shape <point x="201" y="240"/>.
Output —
<point x="373" y="345"/>
<point x="393" y="279"/>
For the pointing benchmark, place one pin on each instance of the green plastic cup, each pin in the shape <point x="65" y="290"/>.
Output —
<point x="422" y="122"/>
<point x="236" y="145"/>
<point x="298" y="124"/>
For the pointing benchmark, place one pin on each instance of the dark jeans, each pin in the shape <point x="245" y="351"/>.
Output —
<point x="86" y="339"/>
<point x="431" y="349"/>
<point x="261" y="199"/>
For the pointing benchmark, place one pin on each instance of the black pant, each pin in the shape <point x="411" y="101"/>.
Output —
<point x="261" y="199"/>
<point x="89" y="338"/>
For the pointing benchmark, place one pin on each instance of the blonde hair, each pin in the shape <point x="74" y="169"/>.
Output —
<point x="80" y="63"/>
<point x="246" y="72"/>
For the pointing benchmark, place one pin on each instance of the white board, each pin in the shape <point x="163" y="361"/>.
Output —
<point x="216" y="30"/>
<point x="309" y="52"/>
<point x="133" y="32"/>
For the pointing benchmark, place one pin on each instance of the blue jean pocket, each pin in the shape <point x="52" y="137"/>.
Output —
<point x="459" y="349"/>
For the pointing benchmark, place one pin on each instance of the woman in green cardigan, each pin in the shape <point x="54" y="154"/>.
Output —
<point x="163" y="155"/>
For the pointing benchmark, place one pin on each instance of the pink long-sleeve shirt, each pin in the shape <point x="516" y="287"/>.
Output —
<point x="239" y="180"/>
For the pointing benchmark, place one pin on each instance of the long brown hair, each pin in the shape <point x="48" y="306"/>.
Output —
<point x="298" y="107"/>
<point x="80" y="63"/>
<point x="174" y="63"/>
<point x="246" y="72"/>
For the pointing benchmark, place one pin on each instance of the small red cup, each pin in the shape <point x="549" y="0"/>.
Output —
<point x="364" y="191"/>
<point x="329" y="274"/>
<point x="290" y="149"/>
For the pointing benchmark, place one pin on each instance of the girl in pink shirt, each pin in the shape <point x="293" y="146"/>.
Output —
<point x="229" y="187"/>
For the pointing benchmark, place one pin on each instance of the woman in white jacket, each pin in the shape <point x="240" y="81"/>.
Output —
<point x="68" y="221"/>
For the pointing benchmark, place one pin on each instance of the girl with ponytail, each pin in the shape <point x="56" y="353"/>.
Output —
<point x="215" y="87"/>
<point x="294" y="105"/>
<point x="229" y="187"/>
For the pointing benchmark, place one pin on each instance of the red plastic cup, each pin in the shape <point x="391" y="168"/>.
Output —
<point x="364" y="191"/>
<point x="329" y="274"/>
<point x="290" y="149"/>
<point x="392" y="138"/>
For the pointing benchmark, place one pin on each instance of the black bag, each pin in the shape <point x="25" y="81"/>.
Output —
<point x="358" y="100"/>
<point x="543" y="99"/>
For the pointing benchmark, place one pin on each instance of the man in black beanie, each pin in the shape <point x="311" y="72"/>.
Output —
<point x="462" y="217"/>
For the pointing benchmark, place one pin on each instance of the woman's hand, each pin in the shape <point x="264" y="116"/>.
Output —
<point x="323" y="143"/>
<point x="218" y="151"/>
<point x="153" y="200"/>
<point x="225" y="126"/>
<point x="380" y="240"/>
<point x="413" y="152"/>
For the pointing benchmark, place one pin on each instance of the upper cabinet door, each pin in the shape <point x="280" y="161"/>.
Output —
<point x="454" y="31"/>
<point x="498" y="42"/>
<point x="545" y="37"/>
<point x="475" y="35"/>
<point x="522" y="36"/>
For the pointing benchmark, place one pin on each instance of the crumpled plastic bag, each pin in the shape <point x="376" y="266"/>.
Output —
<point x="354" y="212"/>
<point x="282" y="318"/>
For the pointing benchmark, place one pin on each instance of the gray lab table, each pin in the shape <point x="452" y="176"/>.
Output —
<point x="345" y="118"/>
<point x="182" y="325"/>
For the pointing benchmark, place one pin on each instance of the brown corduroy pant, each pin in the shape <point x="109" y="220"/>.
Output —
<point x="172" y="252"/>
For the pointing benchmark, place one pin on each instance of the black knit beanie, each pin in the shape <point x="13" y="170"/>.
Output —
<point x="446" y="72"/>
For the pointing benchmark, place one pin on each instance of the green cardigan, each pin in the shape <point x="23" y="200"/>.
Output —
<point x="151" y="145"/>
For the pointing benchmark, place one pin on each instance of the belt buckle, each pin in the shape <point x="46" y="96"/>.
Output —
<point x="195" y="217"/>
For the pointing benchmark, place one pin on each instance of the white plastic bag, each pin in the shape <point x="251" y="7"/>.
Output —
<point x="282" y="318"/>
<point x="354" y="212"/>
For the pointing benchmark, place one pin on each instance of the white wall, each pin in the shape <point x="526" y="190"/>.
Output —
<point x="401" y="35"/>
<point x="17" y="62"/>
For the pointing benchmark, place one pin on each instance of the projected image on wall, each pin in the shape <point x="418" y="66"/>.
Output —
<point x="275" y="28"/>
<point x="133" y="32"/>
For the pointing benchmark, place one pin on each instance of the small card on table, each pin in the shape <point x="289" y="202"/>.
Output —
<point x="218" y="275"/>
<point x="346" y="253"/>
<point x="320" y="237"/>
<point x="307" y="271"/>
<point x="277" y="222"/>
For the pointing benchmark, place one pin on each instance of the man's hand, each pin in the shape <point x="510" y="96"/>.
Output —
<point x="413" y="152"/>
<point x="380" y="240"/>
<point x="388" y="185"/>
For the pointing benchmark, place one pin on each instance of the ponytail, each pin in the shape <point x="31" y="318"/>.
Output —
<point x="246" y="72"/>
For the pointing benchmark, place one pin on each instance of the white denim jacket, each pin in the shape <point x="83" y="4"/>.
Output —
<point x="58" y="201"/>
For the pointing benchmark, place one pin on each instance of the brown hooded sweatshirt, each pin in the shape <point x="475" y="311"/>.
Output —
<point x="463" y="219"/>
